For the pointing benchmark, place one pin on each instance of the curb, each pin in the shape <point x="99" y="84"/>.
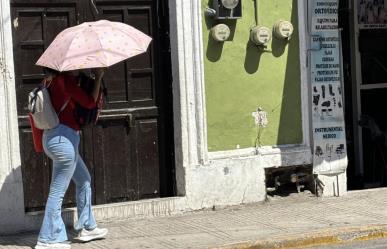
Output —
<point x="327" y="237"/>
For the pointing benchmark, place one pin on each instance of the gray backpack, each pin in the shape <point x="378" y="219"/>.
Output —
<point x="41" y="109"/>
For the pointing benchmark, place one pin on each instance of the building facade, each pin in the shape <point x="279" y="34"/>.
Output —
<point x="212" y="90"/>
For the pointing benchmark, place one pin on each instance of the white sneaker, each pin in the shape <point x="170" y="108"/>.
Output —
<point x="96" y="233"/>
<point x="42" y="245"/>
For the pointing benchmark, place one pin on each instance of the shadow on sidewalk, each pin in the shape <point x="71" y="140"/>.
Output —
<point x="23" y="240"/>
<point x="29" y="239"/>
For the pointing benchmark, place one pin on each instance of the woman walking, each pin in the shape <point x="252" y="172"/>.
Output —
<point x="82" y="46"/>
<point x="61" y="145"/>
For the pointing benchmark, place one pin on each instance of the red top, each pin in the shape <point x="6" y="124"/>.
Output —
<point x="62" y="88"/>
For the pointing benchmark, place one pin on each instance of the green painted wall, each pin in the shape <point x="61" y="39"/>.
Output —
<point x="239" y="77"/>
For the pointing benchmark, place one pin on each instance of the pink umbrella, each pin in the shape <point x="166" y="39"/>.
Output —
<point x="94" y="44"/>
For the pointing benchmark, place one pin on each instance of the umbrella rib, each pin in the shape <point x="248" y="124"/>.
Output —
<point x="102" y="49"/>
<point x="139" y="43"/>
<point x="113" y="52"/>
<point x="68" y="48"/>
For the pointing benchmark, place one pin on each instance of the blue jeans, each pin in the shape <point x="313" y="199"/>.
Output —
<point x="61" y="145"/>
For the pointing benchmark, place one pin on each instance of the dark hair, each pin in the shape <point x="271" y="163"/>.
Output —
<point x="49" y="71"/>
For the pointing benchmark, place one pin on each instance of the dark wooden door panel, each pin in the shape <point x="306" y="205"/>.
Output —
<point x="147" y="158"/>
<point x="33" y="30"/>
<point x="125" y="151"/>
<point x="142" y="88"/>
<point x="116" y="171"/>
<point x="137" y="73"/>
<point x="128" y="158"/>
<point x="140" y="18"/>
<point x="36" y="172"/>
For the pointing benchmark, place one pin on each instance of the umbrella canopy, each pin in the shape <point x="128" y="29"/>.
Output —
<point x="94" y="44"/>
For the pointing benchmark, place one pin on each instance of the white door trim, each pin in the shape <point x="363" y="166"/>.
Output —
<point x="11" y="184"/>
<point x="304" y="69"/>
<point x="188" y="87"/>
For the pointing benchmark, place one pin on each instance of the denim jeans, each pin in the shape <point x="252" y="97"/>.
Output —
<point x="61" y="145"/>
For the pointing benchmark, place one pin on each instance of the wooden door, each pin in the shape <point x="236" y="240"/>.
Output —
<point x="34" y="26"/>
<point x="129" y="151"/>
<point x="127" y="132"/>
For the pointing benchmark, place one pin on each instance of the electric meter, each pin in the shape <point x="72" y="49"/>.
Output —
<point x="225" y="9"/>
<point x="283" y="29"/>
<point x="220" y="32"/>
<point x="260" y="35"/>
<point x="230" y="4"/>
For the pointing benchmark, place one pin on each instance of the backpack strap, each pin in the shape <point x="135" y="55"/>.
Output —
<point x="47" y="84"/>
<point x="64" y="106"/>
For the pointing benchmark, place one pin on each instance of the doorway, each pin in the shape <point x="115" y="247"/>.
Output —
<point x="130" y="152"/>
<point x="364" y="39"/>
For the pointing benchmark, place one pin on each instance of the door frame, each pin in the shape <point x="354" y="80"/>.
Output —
<point x="357" y="88"/>
<point x="356" y="100"/>
<point x="11" y="191"/>
<point x="188" y="88"/>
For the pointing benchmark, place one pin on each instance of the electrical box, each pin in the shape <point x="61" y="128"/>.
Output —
<point x="227" y="9"/>
<point x="260" y="35"/>
<point x="220" y="32"/>
<point x="283" y="29"/>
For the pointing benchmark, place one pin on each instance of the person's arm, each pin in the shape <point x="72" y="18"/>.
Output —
<point x="77" y="94"/>
<point x="99" y="72"/>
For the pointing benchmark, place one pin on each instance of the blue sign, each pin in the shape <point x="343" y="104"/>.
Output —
<point x="329" y="154"/>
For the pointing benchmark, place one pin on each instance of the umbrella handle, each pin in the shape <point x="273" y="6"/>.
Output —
<point x="95" y="7"/>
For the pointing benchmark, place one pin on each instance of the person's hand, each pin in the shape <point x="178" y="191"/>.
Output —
<point x="98" y="72"/>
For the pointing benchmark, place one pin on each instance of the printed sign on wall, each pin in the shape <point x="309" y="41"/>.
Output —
<point x="329" y="155"/>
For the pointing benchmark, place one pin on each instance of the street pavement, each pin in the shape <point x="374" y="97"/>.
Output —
<point x="281" y="222"/>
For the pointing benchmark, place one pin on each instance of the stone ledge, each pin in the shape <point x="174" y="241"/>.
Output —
<point x="117" y="211"/>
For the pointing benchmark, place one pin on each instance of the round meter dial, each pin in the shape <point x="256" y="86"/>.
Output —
<point x="220" y="32"/>
<point x="260" y="35"/>
<point x="283" y="29"/>
<point x="230" y="4"/>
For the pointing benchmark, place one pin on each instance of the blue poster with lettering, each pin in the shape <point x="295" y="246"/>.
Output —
<point x="329" y="149"/>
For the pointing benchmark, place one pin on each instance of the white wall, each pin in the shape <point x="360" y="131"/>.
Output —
<point x="230" y="179"/>
<point x="11" y="186"/>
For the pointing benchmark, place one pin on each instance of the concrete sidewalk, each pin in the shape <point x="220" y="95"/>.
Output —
<point x="283" y="222"/>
